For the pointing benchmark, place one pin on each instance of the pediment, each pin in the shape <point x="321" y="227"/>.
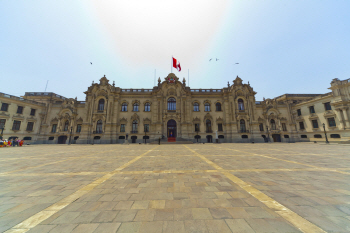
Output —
<point x="196" y="119"/>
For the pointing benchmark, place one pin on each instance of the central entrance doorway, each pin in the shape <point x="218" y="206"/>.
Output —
<point x="62" y="139"/>
<point x="171" y="129"/>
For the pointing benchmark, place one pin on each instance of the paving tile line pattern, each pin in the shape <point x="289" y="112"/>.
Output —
<point x="290" y="161"/>
<point x="36" y="219"/>
<point x="295" y="219"/>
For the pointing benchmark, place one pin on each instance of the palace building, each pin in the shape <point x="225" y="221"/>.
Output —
<point x="173" y="111"/>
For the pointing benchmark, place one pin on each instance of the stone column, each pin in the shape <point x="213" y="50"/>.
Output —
<point x="346" y="118"/>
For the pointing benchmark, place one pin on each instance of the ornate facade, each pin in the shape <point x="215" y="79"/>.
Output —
<point x="171" y="109"/>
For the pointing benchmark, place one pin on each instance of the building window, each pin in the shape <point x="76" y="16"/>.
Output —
<point x="66" y="124"/>
<point x="207" y="107"/>
<point x="240" y="105"/>
<point x="299" y="112"/>
<point x="327" y="106"/>
<point x="30" y="126"/>
<point x="124" y="107"/>
<point x="51" y="138"/>
<point x="99" y="126"/>
<point x="32" y="112"/>
<point x="218" y="107"/>
<point x="196" y="127"/>
<point x="19" y="110"/>
<point x="135" y="107"/>
<point x="286" y="136"/>
<point x="303" y="136"/>
<point x="242" y="126"/>
<point x="147" y="107"/>
<point x="54" y="127"/>
<point x="312" y="109"/>
<point x="317" y="136"/>
<point x="2" y="123"/>
<point x="196" y="107"/>
<point x="101" y="105"/>
<point x="208" y="126"/>
<point x="301" y="125"/>
<point x="172" y="104"/>
<point x="273" y="124"/>
<point x="261" y="127"/>
<point x="4" y="107"/>
<point x="331" y="122"/>
<point x="122" y="128"/>
<point x="134" y="126"/>
<point x="78" y="128"/>
<point x="27" y="138"/>
<point x="284" y="127"/>
<point x="335" y="135"/>
<point x="146" y="128"/>
<point x="16" y="125"/>
<point x="314" y="124"/>
<point x="220" y="127"/>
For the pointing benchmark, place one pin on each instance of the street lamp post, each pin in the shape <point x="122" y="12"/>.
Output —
<point x="70" y="135"/>
<point x="2" y="131"/>
<point x="268" y="135"/>
<point x="325" y="133"/>
<point x="197" y="135"/>
<point x="145" y="134"/>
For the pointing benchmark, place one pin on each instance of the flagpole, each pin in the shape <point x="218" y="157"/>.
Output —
<point x="188" y="77"/>
<point x="171" y="64"/>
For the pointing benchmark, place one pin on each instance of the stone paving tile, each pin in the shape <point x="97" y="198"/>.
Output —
<point x="107" y="227"/>
<point x="183" y="195"/>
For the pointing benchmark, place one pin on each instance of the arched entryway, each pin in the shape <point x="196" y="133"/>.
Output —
<point x="171" y="129"/>
<point x="276" y="137"/>
<point x="62" y="139"/>
<point x="209" y="138"/>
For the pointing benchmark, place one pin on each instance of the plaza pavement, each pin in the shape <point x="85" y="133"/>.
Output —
<point x="275" y="187"/>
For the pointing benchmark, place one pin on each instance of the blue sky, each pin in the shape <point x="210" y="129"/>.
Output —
<point x="281" y="46"/>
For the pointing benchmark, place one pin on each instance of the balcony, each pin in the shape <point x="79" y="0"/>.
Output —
<point x="243" y="131"/>
<point x="97" y="132"/>
<point x="133" y="131"/>
<point x="209" y="131"/>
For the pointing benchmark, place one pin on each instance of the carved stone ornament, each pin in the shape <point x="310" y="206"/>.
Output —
<point x="196" y="120"/>
<point x="237" y="81"/>
<point x="104" y="81"/>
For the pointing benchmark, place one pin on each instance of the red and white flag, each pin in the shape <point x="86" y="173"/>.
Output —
<point x="176" y="65"/>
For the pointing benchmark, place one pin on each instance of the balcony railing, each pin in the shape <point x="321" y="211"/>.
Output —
<point x="209" y="131"/>
<point x="133" y="131"/>
<point x="243" y="131"/>
<point x="98" y="132"/>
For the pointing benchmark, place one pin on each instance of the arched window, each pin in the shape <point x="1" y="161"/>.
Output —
<point x="147" y="107"/>
<point x="240" y="105"/>
<point x="66" y="124"/>
<point x="135" y="107"/>
<point x="124" y="107"/>
<point x="273" y="124"/>
<point x="208" y="126"/>
<point x="261" y="127"/>
<point x="101" y="105"/>
<point x="242" y="126"/>
<point x="172" y="104"/>
<point x="134" y="126"/>
<point x="196" y="107"/>
<point x="218" y="106"/>
<point x="99" y="126"/>
<point x="207" y="107"/>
